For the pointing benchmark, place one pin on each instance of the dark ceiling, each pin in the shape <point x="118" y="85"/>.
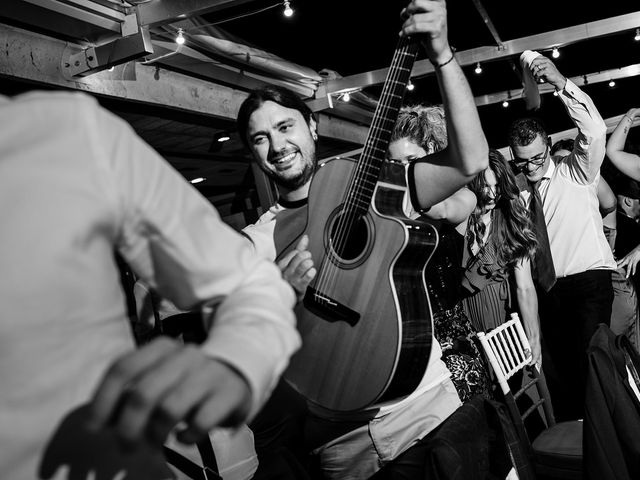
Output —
<point x="356" y="36"/>
<point x="351" y="37"/>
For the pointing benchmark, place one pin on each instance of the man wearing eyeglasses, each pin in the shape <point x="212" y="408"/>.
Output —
<point x="574" y="289"/>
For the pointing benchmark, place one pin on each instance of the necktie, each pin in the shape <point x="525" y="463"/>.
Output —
<point x="543" y="270"/>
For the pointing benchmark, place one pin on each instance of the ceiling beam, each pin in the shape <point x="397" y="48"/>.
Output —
<point x="581" y="80"/>
<point x="542" y="41"/>
<point x="38" y="58"/>
<point x="162" y="12"/>
<point x="494" y="33"/>
<point x="191" y="61"/>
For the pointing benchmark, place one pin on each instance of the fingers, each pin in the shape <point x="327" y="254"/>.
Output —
<point x="145" y="396"/>
<point x="424" y="17"/>
<point x="303" y="243"/>
<point x="145" y="410"/>
<point x="540" y="68"/>
<point x="113" y="389"/>
<point x="297" y="266"/>
<point x="226" y="405"/>
<point x="624" y="265"/>
<point x="629" y="263"/>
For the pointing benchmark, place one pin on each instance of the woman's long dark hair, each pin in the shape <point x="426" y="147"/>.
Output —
<point x="510" y="223"/>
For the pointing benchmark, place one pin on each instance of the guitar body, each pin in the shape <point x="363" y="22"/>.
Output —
<point x="365" y="321"/>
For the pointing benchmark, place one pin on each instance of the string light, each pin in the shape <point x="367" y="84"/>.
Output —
<point x="555" y="53"/>
<point x="555" y="93"/>
<point x="224" y="138"/>
<point x="637" y="37"/>
<point x="288" y="11"/>
<point x="180" y="37"/>
<point x="198" y="180"/>
<point x="346" y="97"/>
<point x="612" y="83"/>
<point x="505" y="104"/>
<point x="410" y="86"/>
<point x="478" y="69"/>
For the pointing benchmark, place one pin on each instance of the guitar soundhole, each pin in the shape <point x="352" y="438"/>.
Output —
<point x="349" y="240"/>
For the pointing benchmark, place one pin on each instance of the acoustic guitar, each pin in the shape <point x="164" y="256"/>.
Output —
<point x="365" y="320"/>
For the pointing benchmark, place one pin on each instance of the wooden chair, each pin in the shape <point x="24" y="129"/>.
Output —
<point x="556" y="452"/>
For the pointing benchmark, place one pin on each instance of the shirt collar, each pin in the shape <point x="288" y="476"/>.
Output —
<point x="552" y="168"/>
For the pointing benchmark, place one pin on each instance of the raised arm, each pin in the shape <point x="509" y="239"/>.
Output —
<point x="589" y="146"/>
<point x="467" y="152"/>
<point x="626" y="162"/>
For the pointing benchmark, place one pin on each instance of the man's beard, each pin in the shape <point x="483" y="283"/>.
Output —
<point x="297" y="181"/>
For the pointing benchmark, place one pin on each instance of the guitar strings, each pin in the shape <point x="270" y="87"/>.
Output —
<point x="349" y="212"/>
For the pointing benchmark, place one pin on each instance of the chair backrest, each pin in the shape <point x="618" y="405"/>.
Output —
<point x="508" y="351"/>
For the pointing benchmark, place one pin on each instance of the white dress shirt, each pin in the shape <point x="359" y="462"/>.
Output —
<point x="76" y="183"/>
<point x="569" y="193"/>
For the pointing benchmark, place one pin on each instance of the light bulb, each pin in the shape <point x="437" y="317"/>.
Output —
<point x="224" y="138"/>
<point x="505" y="104"/>
<point x="612" y="83"/>
<point x="198" y="180"/>
<point x="555" y="93"/>
<point x="555" y="53"/>
<point x="637" y="37"/>
<point x="410" y="86"/>
<point x="478" y="69"/>
<point x="288" y="11"/>
<point x="346" y="97"/>
<point x="180" y="37"/>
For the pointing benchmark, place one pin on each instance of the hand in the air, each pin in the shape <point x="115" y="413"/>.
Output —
<point x="428" y="18"/>
<point x="544" y="70"/>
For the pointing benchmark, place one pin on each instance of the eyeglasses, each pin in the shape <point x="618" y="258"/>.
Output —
<point x="535" y="161"/>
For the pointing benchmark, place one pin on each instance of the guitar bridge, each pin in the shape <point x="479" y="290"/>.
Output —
<point x="329" y="309"/>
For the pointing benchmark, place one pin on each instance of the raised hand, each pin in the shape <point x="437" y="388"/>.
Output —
<point x="428" y="18"/>
<point x="544" y="70"/>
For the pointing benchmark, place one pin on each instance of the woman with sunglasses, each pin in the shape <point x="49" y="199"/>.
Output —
<point x="499" y="246"/>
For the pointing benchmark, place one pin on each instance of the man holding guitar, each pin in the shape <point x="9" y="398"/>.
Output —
<point x="353" y="438"/>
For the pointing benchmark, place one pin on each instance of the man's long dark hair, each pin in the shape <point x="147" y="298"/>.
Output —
<point x="280" y="95"/>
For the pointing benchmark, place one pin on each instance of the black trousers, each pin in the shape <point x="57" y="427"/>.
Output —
<point x="569" y="315"/>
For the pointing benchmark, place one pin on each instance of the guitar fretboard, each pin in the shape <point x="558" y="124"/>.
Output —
<point x="368" y="169"/>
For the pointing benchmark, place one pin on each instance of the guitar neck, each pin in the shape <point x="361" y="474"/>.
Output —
<point x="384" y="118"/>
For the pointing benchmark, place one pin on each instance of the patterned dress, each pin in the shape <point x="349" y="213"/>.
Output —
<point x="452" y="328"/>
<point x="487" y="293"/>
